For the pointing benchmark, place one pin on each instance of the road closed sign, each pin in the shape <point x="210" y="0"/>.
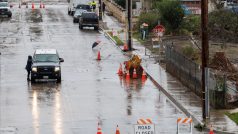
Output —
<point x="145" y="129"/>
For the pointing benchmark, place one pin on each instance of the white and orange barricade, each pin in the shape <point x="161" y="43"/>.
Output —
<point x="144" y="126"/>
<point x="144" y="121"/>
<point x="185" y="121"/>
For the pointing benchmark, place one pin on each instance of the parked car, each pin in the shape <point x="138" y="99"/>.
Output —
<point x="5" y="9"/>
<point x="84" y="7"/>
<point x="78" y="14"/>
<point x="46" y="65"/>
<point x="89" y="19"/>
<point x="72" y="6"/>
<point x="75" y="4"/>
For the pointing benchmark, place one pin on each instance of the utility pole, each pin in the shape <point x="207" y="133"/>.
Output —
<point x="100" y="9"/>
<point x="205" y="51"/>
<point x="129" y="17"/>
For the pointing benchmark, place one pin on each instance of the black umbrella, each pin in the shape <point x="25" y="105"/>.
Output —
<point x="95" y="44"/>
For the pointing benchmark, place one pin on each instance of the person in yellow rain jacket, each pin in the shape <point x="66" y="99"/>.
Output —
<point x="93" y="5"/>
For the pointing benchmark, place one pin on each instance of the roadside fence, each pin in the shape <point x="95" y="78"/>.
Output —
<point x="221" y="90"/>
<point x="187" y="71"/>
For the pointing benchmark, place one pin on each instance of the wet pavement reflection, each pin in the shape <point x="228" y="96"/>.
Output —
<point x="90" y="91"/>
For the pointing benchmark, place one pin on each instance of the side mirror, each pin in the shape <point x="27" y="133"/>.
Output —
<point x="61" y="59"/>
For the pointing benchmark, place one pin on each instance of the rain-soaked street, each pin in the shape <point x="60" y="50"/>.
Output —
<point x="90" y="91"/>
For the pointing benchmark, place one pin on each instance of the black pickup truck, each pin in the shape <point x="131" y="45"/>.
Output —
<point x="89" y="19"/>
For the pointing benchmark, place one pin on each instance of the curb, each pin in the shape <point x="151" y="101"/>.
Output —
<point x="172" y="99"/>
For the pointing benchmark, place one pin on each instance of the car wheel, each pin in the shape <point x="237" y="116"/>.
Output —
<point x="74" y="21"/>
<point x="71" y="13"/>
<point x="58" y="80"/>
<point x="95" y="28"/>
<point x="80" y="26"/>
<point x="33" y="80"/>
<point x="9" y="16"/>
<point x="68" y="12"/>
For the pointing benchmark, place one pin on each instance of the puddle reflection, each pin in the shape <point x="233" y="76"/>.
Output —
<point x="44" y="97"/>
<point x="130" y="86"/>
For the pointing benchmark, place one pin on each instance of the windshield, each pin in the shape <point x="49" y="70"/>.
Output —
<point x="46" y="58"/>
<point x="3" y="4"/>
<point x="79" y="12"/>
<point x="86" y="7"/>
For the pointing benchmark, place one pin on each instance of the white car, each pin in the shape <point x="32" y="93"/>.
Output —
<point x="5" y="9"/>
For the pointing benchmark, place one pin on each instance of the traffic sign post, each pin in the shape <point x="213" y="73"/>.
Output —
<point x="159" y="30"/>
<point x="144" y="129"/>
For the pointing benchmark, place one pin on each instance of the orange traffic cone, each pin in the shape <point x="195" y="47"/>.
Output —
<point x="99" y="130"/>
<point x="32" y="6"/>
<point x="128" y="75"/>
<point x="143" y="75"/>
<point x="40" y="5"/>
<point x="125" y="47"/>
<point x="120" y="72"/>
<point x="99" y="56"/>
<point x="134" y="74"/>
<point x="117" y="131"/>
<point x="211" y="130"/>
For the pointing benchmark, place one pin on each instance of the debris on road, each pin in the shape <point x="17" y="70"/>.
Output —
<point x="95" y="44"/>
<point x="134" y="64"/>
<point x="221" y="62"/>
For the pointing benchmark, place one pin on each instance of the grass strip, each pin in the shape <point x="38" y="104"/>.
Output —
<point x="117" y="39"/>
<point x="233" y="116"/>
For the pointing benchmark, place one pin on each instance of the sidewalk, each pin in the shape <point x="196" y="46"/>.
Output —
<point x="181" y="96"/>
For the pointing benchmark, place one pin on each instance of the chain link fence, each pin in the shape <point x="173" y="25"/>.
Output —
<point x="187" y="71"/>
<point x="221" y="90"/>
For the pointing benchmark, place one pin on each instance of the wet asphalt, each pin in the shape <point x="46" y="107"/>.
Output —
<point x="90" y="91"/>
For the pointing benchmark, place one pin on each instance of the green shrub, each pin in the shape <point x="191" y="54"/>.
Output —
<point x="188" y="51"/>
<point x="171" y="14"/>
<point x="192" y="24"/>
<point x="223" y="26"/>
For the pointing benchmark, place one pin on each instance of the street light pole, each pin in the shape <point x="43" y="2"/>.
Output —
<point x="205" y="50"/>
<point x="100" y="9"/>
<point x="129" y="17"/>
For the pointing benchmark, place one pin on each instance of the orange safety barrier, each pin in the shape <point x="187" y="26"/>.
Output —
<point x="134" y="76"/>
<point x="143" y="77"/>
<point x="127" y="75"/>
<point x="125" y="47"/>
<point x="32" y="5"/>
<point x="211" y="130"/>
<point x="185" y="121"/>
<point x="120" y="72"/>
<point x="117" y="130"/>
<point x="99" y="56"/>
<point x="99" y="129"/>
<point x="144" y="121"/>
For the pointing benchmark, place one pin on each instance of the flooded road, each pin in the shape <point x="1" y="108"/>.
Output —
<point x="90" y="91"/>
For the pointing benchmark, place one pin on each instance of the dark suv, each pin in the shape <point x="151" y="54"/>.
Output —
<point x="46" y="65"/>
<point x="89" y="19"/>
<point x="5" y="9"/>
